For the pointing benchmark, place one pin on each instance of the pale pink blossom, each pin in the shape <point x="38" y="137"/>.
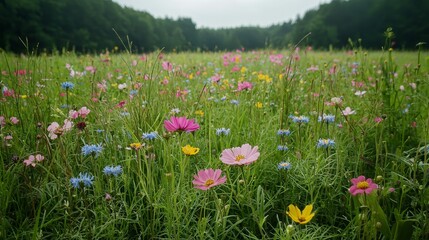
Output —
<point x="243" y="155"/>
<point x="14" y="120"/>
<point x="122" y="86"/>
<point x="2" y="121"/>
<point x="55" y="130"/>
<point x="73" y="114"/>
<point x="83" y="112"/>
<point x="348" y="111"/>
<point x="32" y="160"/>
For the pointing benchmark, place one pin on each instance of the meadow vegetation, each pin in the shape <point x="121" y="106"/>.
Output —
<point x="224" y="145"/>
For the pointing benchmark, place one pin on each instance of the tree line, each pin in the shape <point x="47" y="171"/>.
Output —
<point x="96" y="25"/>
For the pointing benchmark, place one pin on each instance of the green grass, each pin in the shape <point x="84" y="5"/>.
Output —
<point x="154" y="197"/>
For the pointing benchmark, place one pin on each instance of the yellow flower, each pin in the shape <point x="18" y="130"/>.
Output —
<point x="258" y="105"/>
<point x="190" y="151"/>
<point x="199" y="113"/>
<point x="243" y="69"/>
<point x="302" y="218"/>
<point x="23" y="96"/>
<point x="136" y="146"/>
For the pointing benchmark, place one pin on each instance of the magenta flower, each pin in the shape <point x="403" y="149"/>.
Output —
<point x="244" y="86"/>
<point x="362" y="186"/>
<point x="178" y="124"/>
<point x="208" y="178"/>
<point x="243" y="155"/>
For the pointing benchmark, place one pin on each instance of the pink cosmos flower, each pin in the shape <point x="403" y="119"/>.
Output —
<point x="178" y="124"/>
<point x="32" y="160"/>
<point x="244" y="85"/>
<point x="208" y="178"/>
<point x="167" y="66"/>
<point x="83" y="112"/>
<point x="243" y="155"/>
<point x="362" y="186"/>
<point x="348" y="111"/>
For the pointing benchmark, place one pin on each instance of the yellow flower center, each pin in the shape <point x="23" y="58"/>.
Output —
<point x="362" y="185"/>
<point x="208" y="182"/>
<point x="238" y="158"/>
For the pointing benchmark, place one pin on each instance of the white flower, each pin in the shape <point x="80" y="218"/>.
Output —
<point x="360" y="93"/>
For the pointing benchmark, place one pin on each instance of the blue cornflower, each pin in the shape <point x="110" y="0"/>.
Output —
<point x="283" y="132"/>
<point x="90" y="149"/>
<point x="327" y="118"/>
<point x="324" y="143"/>
<point x="300" y="119"/>
<point x="149" y="136"/>
<point x="133" y="92"/>
<point x="235" y="102"/>
<point x="223" y="98"/>
<point x="282" y="148"/>
<point x="75" y="182"/>
<point x="125" y="114"/>
<point x="99" y="130"/>
<point x="86" y="179"/>
<point x="67" y="85"/>
<point x="284" y="166"/>
<point x="222" y="131"/>
<point x="112" y="170"/>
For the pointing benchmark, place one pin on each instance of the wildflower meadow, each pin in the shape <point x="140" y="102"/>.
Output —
<point x="292" y="144"/>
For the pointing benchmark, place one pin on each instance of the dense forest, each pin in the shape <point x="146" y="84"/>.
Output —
<point x="96" y="25"/>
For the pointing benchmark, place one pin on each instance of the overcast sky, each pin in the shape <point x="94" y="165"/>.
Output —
<point x="226" y="13"/>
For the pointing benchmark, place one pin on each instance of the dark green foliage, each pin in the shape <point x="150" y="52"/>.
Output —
<point x="86" y="26"/>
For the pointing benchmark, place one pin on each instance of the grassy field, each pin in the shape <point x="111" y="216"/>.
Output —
<point x="226" y="145"/>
